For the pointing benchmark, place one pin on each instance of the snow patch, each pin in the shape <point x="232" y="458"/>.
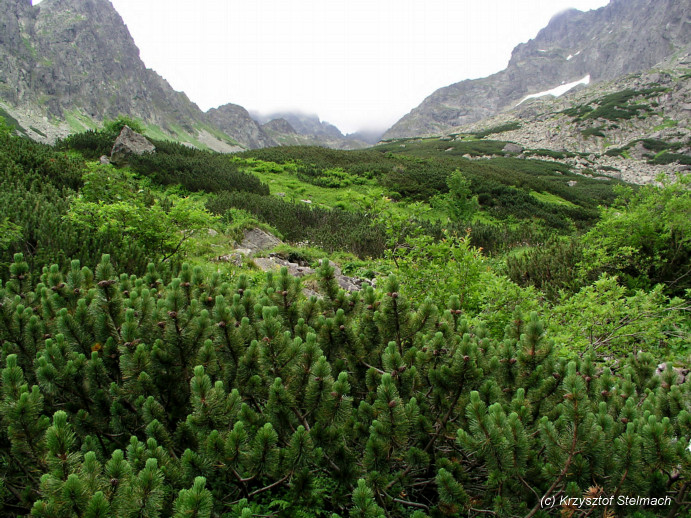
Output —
<point x="541" y="50"/>
<point x="559" y="90"/>
<point x="569" y="57"/>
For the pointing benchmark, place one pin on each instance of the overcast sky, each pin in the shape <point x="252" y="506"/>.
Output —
<point x="356" y="63"/>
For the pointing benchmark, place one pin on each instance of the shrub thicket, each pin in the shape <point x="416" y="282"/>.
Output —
<point x="550" y="267"/>
<point x="509" y="126"/>
<point x="122" y="396"/>
<point x="171" y="164"/>
<point x="298" y="222"/>
<point x="36" y="184"/>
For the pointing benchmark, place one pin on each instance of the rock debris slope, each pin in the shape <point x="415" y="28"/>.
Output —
<point x="624" y="37"/>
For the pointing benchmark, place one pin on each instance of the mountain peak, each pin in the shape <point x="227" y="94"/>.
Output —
<point x="233" y="118"/>
<point x="75" y="60"/>
<point x="624" y="37"/>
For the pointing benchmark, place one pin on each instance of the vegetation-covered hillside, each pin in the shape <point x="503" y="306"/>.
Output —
<point x="526" y="340"/>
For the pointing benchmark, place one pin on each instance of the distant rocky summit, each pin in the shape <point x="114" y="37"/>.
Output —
<point x="234" y="119"/>
<point x="624" y="37"/>
<point x="299" y="129"/>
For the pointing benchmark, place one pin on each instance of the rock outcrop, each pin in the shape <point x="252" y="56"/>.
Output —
<point x="128" y="143"/>
<point x="257" y="241"/>
<point x="624" y="37"/>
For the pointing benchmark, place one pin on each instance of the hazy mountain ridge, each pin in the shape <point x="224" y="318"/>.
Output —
<point x="626" y="36"/>
<point x="309" y="129"/>
<point x="232" y="118"/>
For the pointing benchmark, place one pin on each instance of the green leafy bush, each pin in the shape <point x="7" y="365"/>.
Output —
<point x="116" y="207"/>
<point x="641" y="249"/>
<point x="36" y="184"/>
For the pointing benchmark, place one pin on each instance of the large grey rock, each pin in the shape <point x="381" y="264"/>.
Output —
<point x="258" y="240"/>
<point x="129" y="142"/>
<point x="512" y="149"/>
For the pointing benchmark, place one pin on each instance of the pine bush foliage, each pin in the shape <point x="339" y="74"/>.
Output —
<point x="126" y="396"/>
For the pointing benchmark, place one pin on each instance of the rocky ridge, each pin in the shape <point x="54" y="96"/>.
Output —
<point x="298" y="129"/>
<point x="624" y="37"/>
<point x="660" y="98"/>
<point x="232" y="118"/>
<point x="68" y="65"/>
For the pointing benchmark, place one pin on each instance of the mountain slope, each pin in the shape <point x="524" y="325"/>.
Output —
<point x="623" y="37"/>
<point x="75" y="61"/>
<point x="632" y="128"/>
<point x="70" y="64"/>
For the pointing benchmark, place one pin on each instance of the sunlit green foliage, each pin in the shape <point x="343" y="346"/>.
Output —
<point x="329" y="229"/>
<point x="115" y="207"/>
<point x="646" y="237"/>
<point x="447" y="390"/>
<point x="459" y="203"/>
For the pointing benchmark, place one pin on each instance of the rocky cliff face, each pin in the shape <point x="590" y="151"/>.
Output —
<point x="231" y="118"/>
<point x="90" y="61"/>
<point x="75" y="61"/>
<point x="17" y="53"/>
<point x="623" y="37"/>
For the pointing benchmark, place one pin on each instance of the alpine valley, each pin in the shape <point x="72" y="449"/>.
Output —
<point x="485" y="312"/>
